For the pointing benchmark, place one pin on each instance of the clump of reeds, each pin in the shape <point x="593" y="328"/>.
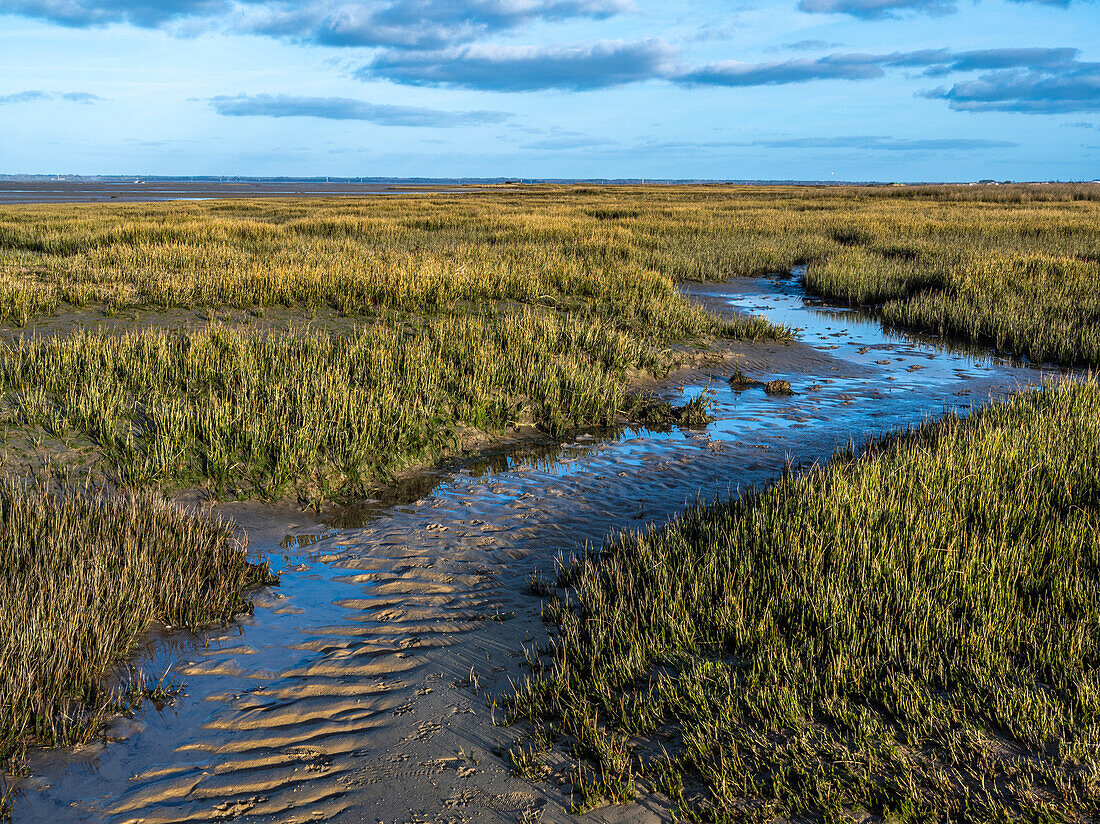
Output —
<point x="911" y="632"/>
<point x="697" y="410"/>
<point x="739" y="380"/>
<point x="82" y="577"/>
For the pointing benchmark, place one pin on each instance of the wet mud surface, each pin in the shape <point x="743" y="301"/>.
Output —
<point x="360" y="690"/>
<point x="137" y="190"/>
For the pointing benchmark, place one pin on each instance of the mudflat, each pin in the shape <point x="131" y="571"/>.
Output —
<point x="137" y="190"/>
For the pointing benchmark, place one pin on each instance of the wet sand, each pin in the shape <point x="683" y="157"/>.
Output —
<point x="359" y="691"/>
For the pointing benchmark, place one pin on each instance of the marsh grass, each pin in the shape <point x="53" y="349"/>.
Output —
<point x="319" y="414"/>
<point x="911" y="632"/>
<point x="1013" y="266"/>
<point x="459" y="315"/>
<point x="82" y="578"/>
<point x="480" y="311"/>
<point x="358" y="257"/>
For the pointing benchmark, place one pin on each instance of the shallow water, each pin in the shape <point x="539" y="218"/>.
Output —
<point x="319" y="707"/>
<point x="151" y="191"/>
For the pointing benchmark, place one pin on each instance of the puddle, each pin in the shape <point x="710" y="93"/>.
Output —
<point x="348" y="695"/>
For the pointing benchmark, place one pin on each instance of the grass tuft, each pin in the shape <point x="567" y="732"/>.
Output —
<point x="83" y="577"/>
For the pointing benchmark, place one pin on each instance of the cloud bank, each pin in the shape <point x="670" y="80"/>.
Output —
<point x="1027" y="91"/>
<point x="33" y="95"/>
<point x="886" y="144"/>
<point x="23" y="97"/>
<point x="88" y="13"/>
<point x="886" y="9"/>
<point x="878" y="9"/>
<point x="869" y="66"/>
<point x="526" y="68"/>
<point x="856" y="143"/>
<point x="486" y="67"/>
<point x="344" y="108"/>
<point x="416" y="24"/>
<point x="1023" y="80"/>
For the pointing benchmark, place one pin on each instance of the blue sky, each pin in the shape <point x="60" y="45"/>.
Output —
<point x="773" y="89"/>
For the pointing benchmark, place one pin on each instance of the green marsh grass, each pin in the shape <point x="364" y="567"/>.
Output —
<point x="911" y="633"/>
<point x="481" y="310"/>
<point x="82" y="578"/>
<point x="313" y="413"/>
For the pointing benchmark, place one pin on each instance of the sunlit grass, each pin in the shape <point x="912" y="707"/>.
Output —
<point x="911" y="632"/>
<point x="316" y="414"/>
<point x="1014" y="266"/>
<point x="463" y="313"/>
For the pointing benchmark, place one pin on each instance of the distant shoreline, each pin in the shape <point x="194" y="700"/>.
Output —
<point x="31" y="189"/>
<point x="419" y="181"/>
<point x="159" y="190"/>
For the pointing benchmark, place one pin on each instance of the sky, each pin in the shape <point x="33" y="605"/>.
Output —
<point x="887" y="90"/>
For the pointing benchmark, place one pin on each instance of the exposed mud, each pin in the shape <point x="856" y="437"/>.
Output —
<point x="136" y="190"/>
<point x="360" y="690"/>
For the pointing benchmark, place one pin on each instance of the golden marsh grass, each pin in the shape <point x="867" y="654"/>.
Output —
<point x="1011" y="266"/>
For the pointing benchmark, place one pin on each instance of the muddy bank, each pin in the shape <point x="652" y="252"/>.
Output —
<point x="360" y="690"/>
